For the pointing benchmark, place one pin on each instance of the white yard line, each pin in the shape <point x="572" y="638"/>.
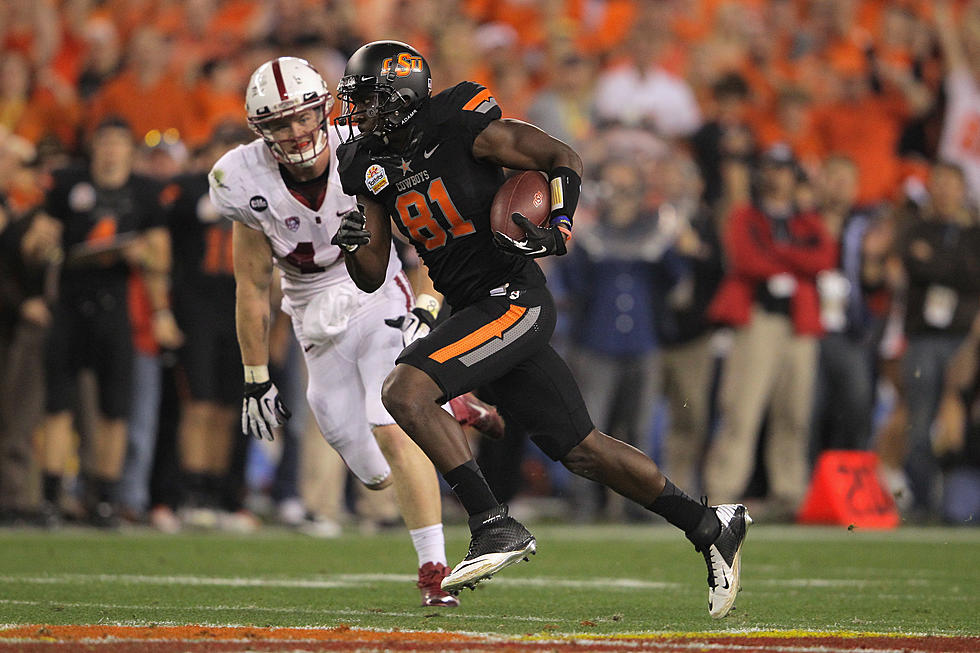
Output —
<point x="327" y="582"/>
<point x="354" y="580"/>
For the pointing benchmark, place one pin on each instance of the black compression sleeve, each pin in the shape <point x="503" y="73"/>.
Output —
<point x="566" y="184"/>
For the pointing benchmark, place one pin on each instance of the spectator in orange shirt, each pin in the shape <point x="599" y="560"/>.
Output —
<point x="29" y="27"/>
<point x="792" y="123"/>
<point x="146" y="94"/>
<point x="877" y="99"/>
<point x="216" y="99"/>
<point x="33" y="110"/>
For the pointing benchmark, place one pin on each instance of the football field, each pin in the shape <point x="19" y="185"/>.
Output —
<point x="590" y="588"/>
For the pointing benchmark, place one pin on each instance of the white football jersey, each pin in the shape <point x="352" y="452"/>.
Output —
<point x="246" y="186"/>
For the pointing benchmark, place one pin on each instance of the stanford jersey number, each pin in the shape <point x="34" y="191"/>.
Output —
<point x="415" y="213"/>
<point x="303" y="258"/>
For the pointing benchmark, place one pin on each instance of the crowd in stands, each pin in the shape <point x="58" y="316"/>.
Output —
<point x="777" y="251"/>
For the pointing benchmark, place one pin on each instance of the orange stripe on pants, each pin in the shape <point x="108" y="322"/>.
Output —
<point x="494" y="329"/>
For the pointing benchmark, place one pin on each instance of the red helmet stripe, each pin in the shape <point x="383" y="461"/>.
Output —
<point x="280" y="82"/>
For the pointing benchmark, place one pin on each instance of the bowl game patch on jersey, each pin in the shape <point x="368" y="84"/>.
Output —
<point x="375" y="178"/>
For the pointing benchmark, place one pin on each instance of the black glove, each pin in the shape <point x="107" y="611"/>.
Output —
<point x="351" y="233"/>
<point x="538" y="241"/>
<point x="262" y="410"/>
<point x="414" y="325"/>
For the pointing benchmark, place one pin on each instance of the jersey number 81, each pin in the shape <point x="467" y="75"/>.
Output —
<point x="415" y="213"/>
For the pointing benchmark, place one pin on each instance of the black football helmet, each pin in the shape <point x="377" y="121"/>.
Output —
<point x="384" y="85"/>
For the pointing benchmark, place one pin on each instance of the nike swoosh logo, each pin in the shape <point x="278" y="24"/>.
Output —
<point x="483" y="412"/>
<point x="726" y="584"/>
<point x="428" y="153"/>
<point x="539" y="250"/>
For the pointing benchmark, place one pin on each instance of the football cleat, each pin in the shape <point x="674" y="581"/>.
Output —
<point x="723" y="557"/>
<point x="471" y="411"/>
<point x="430" y="585"/>
<point x="497" y="541"/>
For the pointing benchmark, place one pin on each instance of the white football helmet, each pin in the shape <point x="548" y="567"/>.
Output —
<point x="281" y="88"/>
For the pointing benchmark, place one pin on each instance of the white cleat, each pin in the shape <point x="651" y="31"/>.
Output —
<point x="498" y="541"/>
<point x="723" y="558"/>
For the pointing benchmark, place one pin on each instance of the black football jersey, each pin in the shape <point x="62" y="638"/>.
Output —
<point x="202" y="249"/>
<point x="439" y="195"/>
<point x="91" y="214"/>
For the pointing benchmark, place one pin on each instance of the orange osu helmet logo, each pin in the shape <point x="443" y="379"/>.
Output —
<point x="405" y="64"/>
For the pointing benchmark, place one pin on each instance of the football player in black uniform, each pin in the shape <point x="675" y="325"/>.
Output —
<point x="432" y="165"/>
<point x="112" y="224"/>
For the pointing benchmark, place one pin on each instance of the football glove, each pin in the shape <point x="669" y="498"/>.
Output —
<point x="262" y="410"/>
<point x="537" y="242"/>
<point x="414" y="325"/>
<point x="351" y="233"/>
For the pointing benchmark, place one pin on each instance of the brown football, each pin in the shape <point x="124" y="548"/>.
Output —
<point x="526" y="193"/>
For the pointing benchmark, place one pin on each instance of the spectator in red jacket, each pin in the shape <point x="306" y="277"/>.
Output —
<point x="769" y="297"/>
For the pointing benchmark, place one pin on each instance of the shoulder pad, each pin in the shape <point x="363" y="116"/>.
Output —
<point x="465" y="96"/>
<point x="225" y="181"/>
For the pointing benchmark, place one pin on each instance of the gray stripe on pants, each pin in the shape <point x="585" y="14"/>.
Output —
<point x="483" y="351"/>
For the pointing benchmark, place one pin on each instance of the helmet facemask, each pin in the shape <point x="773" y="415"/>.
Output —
<point x="290" y="145"/>
<point x="287" y="104"/>
<point x="384" y="109"/>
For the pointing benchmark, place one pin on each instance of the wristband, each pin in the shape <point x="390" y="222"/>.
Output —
<point x="564" y="226"/>
<point x="428" y="303"/>
<point x="566" y="185"/>
<point x="256" y="373"/>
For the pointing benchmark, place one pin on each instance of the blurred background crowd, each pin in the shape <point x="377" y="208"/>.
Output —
<point x="777" y="251"/>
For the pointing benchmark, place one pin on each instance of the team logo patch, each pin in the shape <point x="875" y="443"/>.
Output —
<point x="258" y="203"/>
<point x="81" y="197"/>
<point x="292" y="223"/>
<point x="375" y="178"/>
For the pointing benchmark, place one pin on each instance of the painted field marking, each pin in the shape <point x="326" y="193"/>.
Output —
<point x="343" y="637"/>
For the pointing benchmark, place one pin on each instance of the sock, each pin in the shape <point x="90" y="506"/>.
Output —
<point x="698" y="521"/>
<point x="214" y="490"/>
<point x="51" y="488"/>
<point x="105" y="490"/>
<point x="471" y="488"/>
<point x="195" y="489"/>
<point x="429" y="543"/>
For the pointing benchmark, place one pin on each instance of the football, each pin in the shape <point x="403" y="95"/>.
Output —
<point x="526" y="193"/>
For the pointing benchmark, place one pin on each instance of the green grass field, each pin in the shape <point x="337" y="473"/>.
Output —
<point x="608" y="579"/>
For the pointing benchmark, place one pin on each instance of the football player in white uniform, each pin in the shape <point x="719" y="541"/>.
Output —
<point x="284" y="195"/>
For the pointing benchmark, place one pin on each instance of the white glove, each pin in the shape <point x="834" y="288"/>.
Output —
<point x="262" y="410"/>
<point x="418" y="322"/>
